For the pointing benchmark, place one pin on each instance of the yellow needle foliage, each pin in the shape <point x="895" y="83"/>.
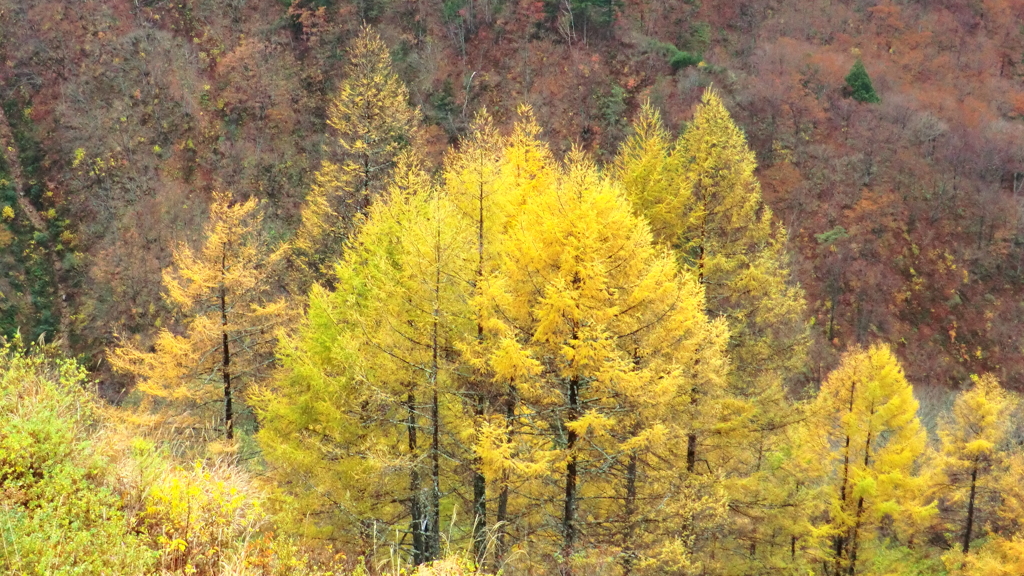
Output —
<point x="472" y="181"/>
<point x="365" y="397"/>
<point x="607" y="346"/>
<point x="703" y="200"/>
<point x="372" y="123"/>
<point x="229" y="321"/>
<point x="869" y="415"/>
<point x="972" y="463"/>
<point x="521" y="310"/>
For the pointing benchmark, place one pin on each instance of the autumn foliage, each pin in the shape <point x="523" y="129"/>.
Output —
<point x="577" y="287"/>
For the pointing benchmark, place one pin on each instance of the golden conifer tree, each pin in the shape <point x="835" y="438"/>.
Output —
<point x="703" y="200"/>
<point x="606" y="344"/>
<point x="472" y="182"/>
<point x="869" y="415"/>
<point x="364" y="410"/>
<point x="526" y="169"/>
<point x="229" y="321"/>
<point x="372" y="124"/>
<point x="973" y="457"/>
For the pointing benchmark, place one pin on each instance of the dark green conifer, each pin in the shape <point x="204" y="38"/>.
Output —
<point x="858" y="84"/>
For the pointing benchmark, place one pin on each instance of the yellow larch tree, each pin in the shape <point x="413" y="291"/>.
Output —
<point x="472" y="181"/>
<point x="868" y="414"/>
<point x="372" y="123"/>
<point x="508" y="458"/>
<point x="704" y="201"/>
<point x="604" y="343"/>
<point x="973" y="459"/>
<point x="229" y="320"/>
<point x="365" y="410"/>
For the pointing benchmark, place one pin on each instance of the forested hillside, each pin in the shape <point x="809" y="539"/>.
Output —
<point x="903" y="215"/>
<point x="577" y="286"/>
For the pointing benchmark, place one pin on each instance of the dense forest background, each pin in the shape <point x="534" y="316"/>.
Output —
<point x="904" y="216"/>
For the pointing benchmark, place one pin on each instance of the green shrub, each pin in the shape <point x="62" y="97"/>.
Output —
<point x="677" y="58"/>
<point x="56" y="517"/>
<point x="683" y="59"/>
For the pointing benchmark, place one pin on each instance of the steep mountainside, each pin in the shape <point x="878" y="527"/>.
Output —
<point x="905" y="216"/>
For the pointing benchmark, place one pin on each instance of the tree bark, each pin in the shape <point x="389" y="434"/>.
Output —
<point x="855" y="539"/>
<point x="970" y="510"/>
<point x="629" y="551"/>
<point x="479" y="481"/>
<point x="229" y="422"/>
<point x="569" y="528"/>
<point x="839" y="543"/>
<point x="415" y="510"/>
<point x="435" y="418"/>
<point x="501" y="519"/>
<point x="479" y="501"/>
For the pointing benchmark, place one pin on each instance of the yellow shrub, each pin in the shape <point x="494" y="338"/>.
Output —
<point x="198" y="515"/>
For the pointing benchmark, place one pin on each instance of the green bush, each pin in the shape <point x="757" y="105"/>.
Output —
<point x="81" y="496"/>
<point x="683" y="59"/>
<point x="677" y="58"/>
<point x="56" y="517"/>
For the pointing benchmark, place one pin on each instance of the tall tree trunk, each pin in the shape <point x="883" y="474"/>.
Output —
<point x="629" y="551"/>
<point x="970" y="510"/>
<point x="229" y="422"/>
<point x="501" y="518"/>
<point x="691" y="452"/>
<point x="435" y="476"/>
<point x="691" y="438"/>
<point x="479" y="499"/>
<point x="415" y="510"/>
<point x="839" y="543"/>
<point x="855" y="538"/>
<point x="435" y="416"/>
<point x="569" y="527"/>
<point x="479" y="480"/>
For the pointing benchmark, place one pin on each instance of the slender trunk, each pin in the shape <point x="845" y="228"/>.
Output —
<point x="435" y="422"/>
<point x="691" y="452"/>
<point x="501" y="519"/>
<point x="569" y="528"/>
<point x="855" y="539"/>
<point x="229" y="423"/>
<point x="970" y="510"/>
<point x="840" y="542"/>
<point x="691" y="438"/>
<point x="629" y="552"/>
<point x="415" y="510"/>
<point x="479" y="501"/>
<point x="479" y="480"/>
<point x="435" y="473"/>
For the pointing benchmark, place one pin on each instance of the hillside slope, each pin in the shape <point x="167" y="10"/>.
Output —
<point x="905" y="216"/>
